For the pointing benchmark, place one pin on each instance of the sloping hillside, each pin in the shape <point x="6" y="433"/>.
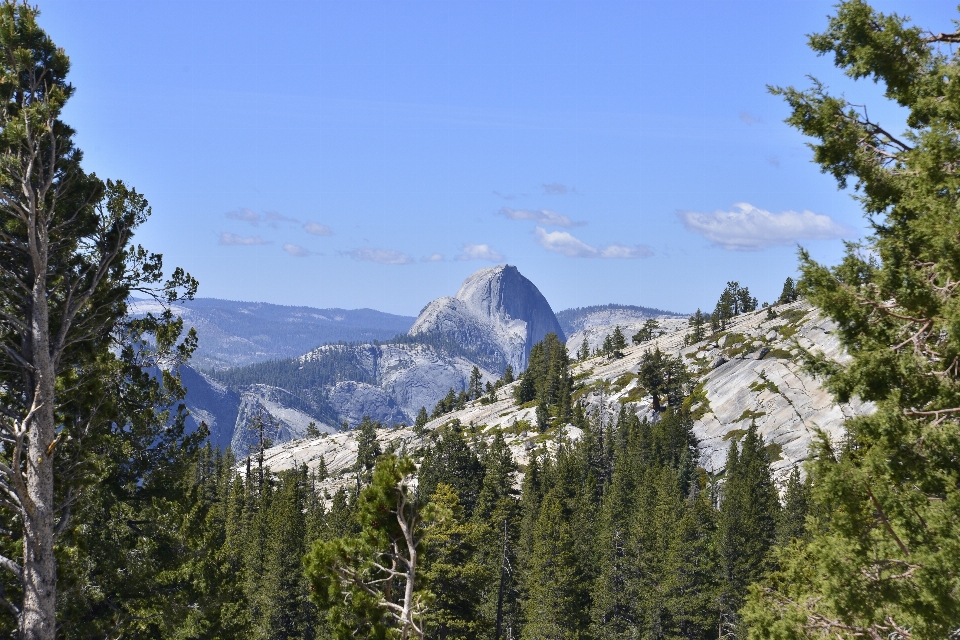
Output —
<point x="747" y="373"/>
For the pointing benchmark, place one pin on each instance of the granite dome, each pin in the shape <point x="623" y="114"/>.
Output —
<point x="497" y="313"/>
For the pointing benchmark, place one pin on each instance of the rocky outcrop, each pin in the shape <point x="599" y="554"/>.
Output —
<point x="750" y="374"/>
<point x="497" y="315"/>
<point x="286" y="417"/>
<point x="398" y="379"/>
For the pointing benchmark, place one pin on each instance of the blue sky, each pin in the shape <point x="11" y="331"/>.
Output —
<point x="373" y="154"/>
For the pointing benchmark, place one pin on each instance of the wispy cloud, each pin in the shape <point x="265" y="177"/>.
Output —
<point x="569" y="245"/>
<point x="750" y="118"/>
<point x="747" y="228"/>
<point x="479" y="252"/>
<point x="245" y="215"/>
<point x="233" y="240"/>
<point x="557" y="189"/>
<point x="436" y="257"/>
<point x="317" y="229"/>
<point x="543" y="216"/>
<point x="381" y="256"/>
<point x="296" y="250"/>
<point x="274" y="219"/>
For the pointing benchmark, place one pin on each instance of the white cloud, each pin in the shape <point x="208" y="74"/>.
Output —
<point x="245" y="215"/>
<point x="557" y="189"/>
<point x="381" y="256"/>
<point x="479" y="252"/>
<point x="747" y="228"/>
<point x="543" y="216"/>
<point x="232" y="239"/>
<point x="296" y="250"/>
<point x="317" y="229"/>
<point x="568" y="245"/>
<point x="623" y="251"/>
<point x="436" y="257"/>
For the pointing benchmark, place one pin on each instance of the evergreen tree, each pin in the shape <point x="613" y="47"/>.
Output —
<point x="368" y="450"/>
<point x="451" y="461"/>
<point x="617" y="340"/>
<point x="507" y="376"/>
<point x="884" y="494"/>
<point x="796" y="504"/>
<point x="282" y="592"/>
<point x="67" y="270"/>
<point x="698" y="328"/>
<point x="749" y="511"/>
<point x="664" y="377"/>
<point x="789" y="292"/>
<point x="419" y="426"/>
<point x="475" y="387"/>
<point x="368" y="582"/>
<point x="647" y="332"/>
<point x="452" y="572"/>
<point x="584" y="351"/>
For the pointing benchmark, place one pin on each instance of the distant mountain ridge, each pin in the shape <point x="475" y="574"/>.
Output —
<point x="579" y="318"/>
<point x="233" y="333"/>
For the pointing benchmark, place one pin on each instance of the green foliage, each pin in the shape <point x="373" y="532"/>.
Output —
<point x="351" y="577"/>
<point x="547" y="379"/>
<point x="789" y="292"/>
<point x="664" y="376"/>
<point x="698" y="328"/>
<point x="452" y="462"/>
<point x="749" y="511"/>
<point x="647" y="332"/>
<point x="733" y="301"/>
<point x="879" y="560"/>
<point x="419" y="426"/>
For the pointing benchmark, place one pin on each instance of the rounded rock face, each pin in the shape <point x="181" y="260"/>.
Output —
<point x="497" y="313"/>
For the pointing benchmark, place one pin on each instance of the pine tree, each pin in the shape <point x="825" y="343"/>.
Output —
<point x="451" y="570"/>
<point x="796" y="504"/>
<point x="698" y="328"/>
<point x="617" y="340"/>
<point x="584" y="351"/>
<point x="749" y="511"/>
<point x="451" y="461"/>
<point x="368" y="582"/>
<point x="664" y="377"/>
<point x="475" y="387"/>
<point x="789" y="292"/>
<point x="421" y="422"/>
<point x="285" y="610"/>
<point x="68" y="352"/>
<point x="368" y="450"/>
<point x="884" y="493"/>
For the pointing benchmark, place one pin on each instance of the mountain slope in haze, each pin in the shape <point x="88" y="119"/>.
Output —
<point x="580" y="318"/>
<point x="497" y="315"/>
<point x="240" y="333"/>
<point x="595" y="323"/>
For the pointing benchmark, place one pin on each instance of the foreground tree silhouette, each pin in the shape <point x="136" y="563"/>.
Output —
<point x="883" y="555"/>
<point x="66" y="271"/>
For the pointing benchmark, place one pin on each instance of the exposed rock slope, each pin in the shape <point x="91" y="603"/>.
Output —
<point x="750" y="374"/>
<point x="497" y="316"/>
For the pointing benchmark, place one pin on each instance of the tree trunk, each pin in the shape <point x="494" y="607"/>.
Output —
<point x="38" y="616"/>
